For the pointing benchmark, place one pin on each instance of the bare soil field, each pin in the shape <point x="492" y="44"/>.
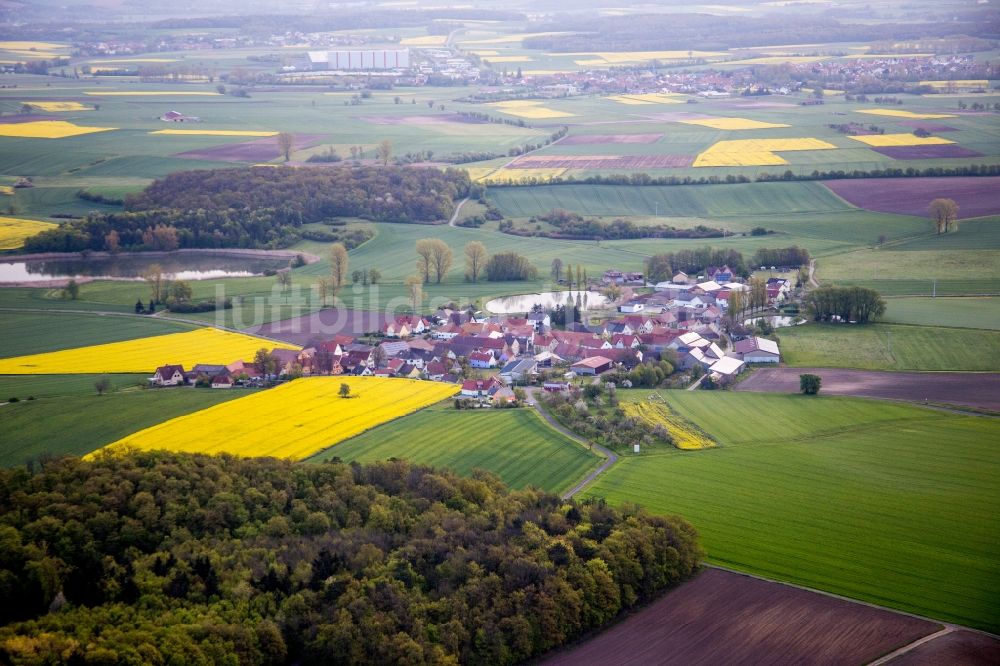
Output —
<point x="927" y="152"/>
<point x="258" y="150"/>
<point x="603" y="162"/>
<point x="911" y="196"/>
<point x="325" y="323"/>
<point x="723" y="617"/>
<point x="980" y="390"/>
<point x="592" y="139"/>
<point x="959" y="648"/>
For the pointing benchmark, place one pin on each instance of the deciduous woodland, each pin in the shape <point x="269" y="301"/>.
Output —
<point x="259" y="207"/>
<point x="151" y="557"/>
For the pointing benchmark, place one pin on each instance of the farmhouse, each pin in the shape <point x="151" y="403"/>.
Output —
<point x="593" y="366"/>
<point x="168" y="375"/>
<point x="757" y="350"/>
<point x="178" y="117"/>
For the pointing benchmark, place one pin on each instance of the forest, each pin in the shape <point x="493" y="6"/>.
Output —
<point x="845" y="304"/>
<point x="258" y="208"/>
<point x="661" y="267"/>
<point x="156" y="557"/>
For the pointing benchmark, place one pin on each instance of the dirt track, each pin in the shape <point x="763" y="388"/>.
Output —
<point x="727" y="618"/>
<point x="981" y="389"/>
<point x="958" y="648"/>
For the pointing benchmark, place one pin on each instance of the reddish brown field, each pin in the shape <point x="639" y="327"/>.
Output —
<point x="926" y="152"/>
<point x="323" y="324"/>
<point x="603" y="162"/>
<point x="927" y="125"/>
<point x="592" y="139"/>
<point x="981" y="390"/>
<point x="910" y="196"/>
<point x="726" y="618"/>
<point x="258" y="150"/>
<point x="959" y="648"/>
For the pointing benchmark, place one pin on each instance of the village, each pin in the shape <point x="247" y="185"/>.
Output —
<point x="683" y="321"/>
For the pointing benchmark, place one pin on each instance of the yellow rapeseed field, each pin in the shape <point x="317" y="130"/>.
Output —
<point x="202" y="345"/>
<point x="520" y="175"/>
<point x="14" y="230"/>
<point x="733" y="123"/>
<point x="963" y="83"/>
<point x="294" y="420"/>
<point x="427" y="40"/>
<point x="7" y="190"/>
<point x="899" y="113"/>
<point x="888" y="140"/>
<point x="528" y="109"/>
<point x="60" y="106"/>
<point x="28" y="46"/>
<point x="48" y="129"/>
<point x="686" y="435"/>
<point x="156" y="93"/>
<point x="213" y="132"/>
<point x="503" y="59"/>
<point x="755" y="152"/>
<point x="648" y="98"/>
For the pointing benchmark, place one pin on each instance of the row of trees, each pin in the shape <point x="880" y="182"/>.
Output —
<point x="154" y="556"/>
<point x="845" y="304"/>
<point x="435" y="260"/>
<point x="662" y="267"/>
<point x="570" y="225"/>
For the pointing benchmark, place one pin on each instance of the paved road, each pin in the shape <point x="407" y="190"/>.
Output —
<point x="610" y="457"/>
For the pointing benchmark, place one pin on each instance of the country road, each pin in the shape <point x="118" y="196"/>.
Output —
<point x="458" y="209"/>
<point x="610" y="457"/>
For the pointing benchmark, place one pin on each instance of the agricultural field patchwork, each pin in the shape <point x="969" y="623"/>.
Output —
<point x="14" y="230"/>
<point x="532" y="110"/>
<point x="733" y="123"/>
<point x="203" y="345"/>
<point x="900" y="113"/>
<point x="60" y="106"/>
<point x="207" y="132"/>
<point x="294" y="420"/>
<point x="649" y="98"/>
<point x="797" y="482"/>
<point x="975" y="197"/>
<point x="755" y="152"/>
<point x="889" y="140"/>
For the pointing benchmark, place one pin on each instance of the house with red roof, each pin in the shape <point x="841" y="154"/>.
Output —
<point x="168" y="375"/>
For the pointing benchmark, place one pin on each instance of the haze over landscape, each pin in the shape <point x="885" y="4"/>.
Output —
<point x="492" y="333"/>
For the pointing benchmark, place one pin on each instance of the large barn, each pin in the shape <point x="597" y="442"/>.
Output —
<point x="371" y="59"/>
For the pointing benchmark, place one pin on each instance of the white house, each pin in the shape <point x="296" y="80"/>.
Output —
<point x="168" y="375"/>
<point x="725" y="369"/>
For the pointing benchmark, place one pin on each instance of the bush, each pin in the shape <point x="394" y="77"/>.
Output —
<point x="810" y="384"/>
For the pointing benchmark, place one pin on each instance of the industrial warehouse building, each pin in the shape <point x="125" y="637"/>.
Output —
<point x="372" y="59"/>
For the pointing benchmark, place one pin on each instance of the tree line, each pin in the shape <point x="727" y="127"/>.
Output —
<point x="573" y="226"/>
<point x="263" y="207"/>
<point x="154" y="556"/>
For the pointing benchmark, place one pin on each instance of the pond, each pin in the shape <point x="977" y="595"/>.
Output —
<point x="183" y="266"/>
<point x="776" y="321"/>
<point x="547" y="299"/>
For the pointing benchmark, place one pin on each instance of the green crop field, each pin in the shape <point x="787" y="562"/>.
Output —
<point x="967" y="312"/>
<point x="47" y="386"/>
<point x="890" y="347"/>
<point x="35" y="332"/>
<point x="78" y="424"/>
<point x="515" y="444"/>
<point x="890" y="504"/>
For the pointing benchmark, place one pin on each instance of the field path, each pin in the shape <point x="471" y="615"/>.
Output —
<point x="610" y="457"/>
<point x="458" y="209"/>
<point x="912" y="646"/>
<point x="812" y="273"/>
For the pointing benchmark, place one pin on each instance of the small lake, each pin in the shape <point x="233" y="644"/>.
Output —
<point x="776" y="321"/>
<point x="547" y="299"/>
<point x="183" y="266"/>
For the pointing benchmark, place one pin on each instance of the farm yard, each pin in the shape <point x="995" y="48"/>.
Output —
<point x="294" y="420"/>
<point x="909" y="492"/>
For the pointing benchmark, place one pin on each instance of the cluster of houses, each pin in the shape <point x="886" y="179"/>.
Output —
<point x="680" y="319"/>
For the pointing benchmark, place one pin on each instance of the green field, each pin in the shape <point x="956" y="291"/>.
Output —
<point x="47" y="386"/>
<point x="35" y="332"/>
<point x="78" y="424"/>
<point x="891" y="504"/>
<point x="515" y="444"/>
<point x="967" y="312"/>
<point x="890" y="347"/>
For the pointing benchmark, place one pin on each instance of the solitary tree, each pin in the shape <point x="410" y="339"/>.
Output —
<point x="810" y="384"/>
<point x="180" y="291"/>
<point x="284" y="278"/>
<point x="102" y="385"/>
<point x="442" y="259"/>
<point x="154" y="278"/>
<point x="944" y="213"/>
<point x="384" y="151"/>
<point x="425" y="253"/>
<point x="138" y="306"/>
<point x="345" y="390"/>
<point x="72" y="290"/>
<point x="556" y="268"/>
<point x="475" y="260"/>
<point x="415" y="288"/>
<point x="338" y="266"/>
<point x="286" y="144"/>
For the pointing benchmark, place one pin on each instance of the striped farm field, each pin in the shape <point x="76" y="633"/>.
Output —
<point x="294" y="420"/>
<point x="899" y="113"/>
<point x="515" y="444"/>
<point x="888" y="140"/>
<point x="732" y="123"/>
<point x="14" y="230"/>
<point x="203" y="345"/>
<point x="755" y="152"/>
<point x="887" y="503"/>
<point x="61" y="106"/>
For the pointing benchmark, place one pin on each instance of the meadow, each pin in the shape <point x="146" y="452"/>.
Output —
<point x="294" y="420"/>
<point x="968" y="312"/>
<point x="890" y="347"/>
<point x="515" y="444"/>
<point x="886" y="503"/>
<point x="36" y="332"/>
<point x="57" y="423"/>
